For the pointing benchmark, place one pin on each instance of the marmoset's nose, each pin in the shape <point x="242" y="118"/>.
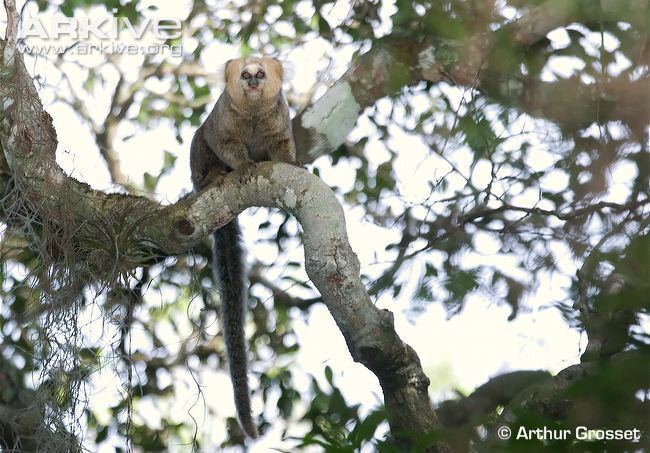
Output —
<point x="253" y="82"/>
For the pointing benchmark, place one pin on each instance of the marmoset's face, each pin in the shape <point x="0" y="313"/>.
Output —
<point x="253" y="78"/>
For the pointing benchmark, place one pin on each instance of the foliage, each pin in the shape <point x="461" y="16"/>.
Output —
<point x="541" y="161"/>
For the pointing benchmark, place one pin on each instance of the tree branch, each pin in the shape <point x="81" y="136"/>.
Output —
<point x="395" y="62"/>
<point x="548" y="397"/>
<point x="28" y="141"/>
<point x="12" y="31"/>
<point x="578" y="212"/>
<point x="281" y="297"/>
<point x="498" y="391"/>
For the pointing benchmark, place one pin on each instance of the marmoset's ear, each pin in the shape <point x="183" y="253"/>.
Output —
<point x="283" y="69"/>
<point x="274" y="66"/>
<point x="230" y="70"/>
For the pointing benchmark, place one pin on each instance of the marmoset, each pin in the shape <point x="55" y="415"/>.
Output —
<point x="249" y="123"/>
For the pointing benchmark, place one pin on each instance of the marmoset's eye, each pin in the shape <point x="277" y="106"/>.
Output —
<point x="260" y="74"/>
<point x="246" y="75"/>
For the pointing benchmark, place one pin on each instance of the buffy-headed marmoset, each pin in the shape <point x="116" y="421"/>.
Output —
<point x="250" y="123"/>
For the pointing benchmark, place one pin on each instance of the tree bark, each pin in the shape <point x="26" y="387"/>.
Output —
<point x="28" y="141"/>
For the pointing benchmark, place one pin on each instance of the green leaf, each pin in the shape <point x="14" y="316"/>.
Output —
<point x="169" y="161"/>
<point x="460" y="283"/>
<point x="365" y="430"/>
<point x="150" y="181"/>
<point x="329" y="375"/>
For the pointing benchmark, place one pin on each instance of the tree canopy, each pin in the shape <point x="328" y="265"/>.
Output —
<point x="497" y="150"/>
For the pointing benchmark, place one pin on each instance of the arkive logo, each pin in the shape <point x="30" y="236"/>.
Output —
<point x="101" y="32"/>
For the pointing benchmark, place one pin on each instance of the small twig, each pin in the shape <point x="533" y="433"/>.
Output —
<point x="586" y="210"/>
<point x="281" y="296"/>
<point x="388" y="277"/>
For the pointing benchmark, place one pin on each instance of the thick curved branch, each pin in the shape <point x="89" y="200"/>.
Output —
<point x="334" y="269"/>
<point x="28" y="140"/>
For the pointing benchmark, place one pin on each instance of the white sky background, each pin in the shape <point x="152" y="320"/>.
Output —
<point x="462" y="352"/>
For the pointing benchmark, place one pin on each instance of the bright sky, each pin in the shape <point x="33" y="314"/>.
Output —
<point x="458" y="353"/>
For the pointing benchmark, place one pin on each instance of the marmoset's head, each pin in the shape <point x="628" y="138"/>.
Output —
<point x="253" y="79"/>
